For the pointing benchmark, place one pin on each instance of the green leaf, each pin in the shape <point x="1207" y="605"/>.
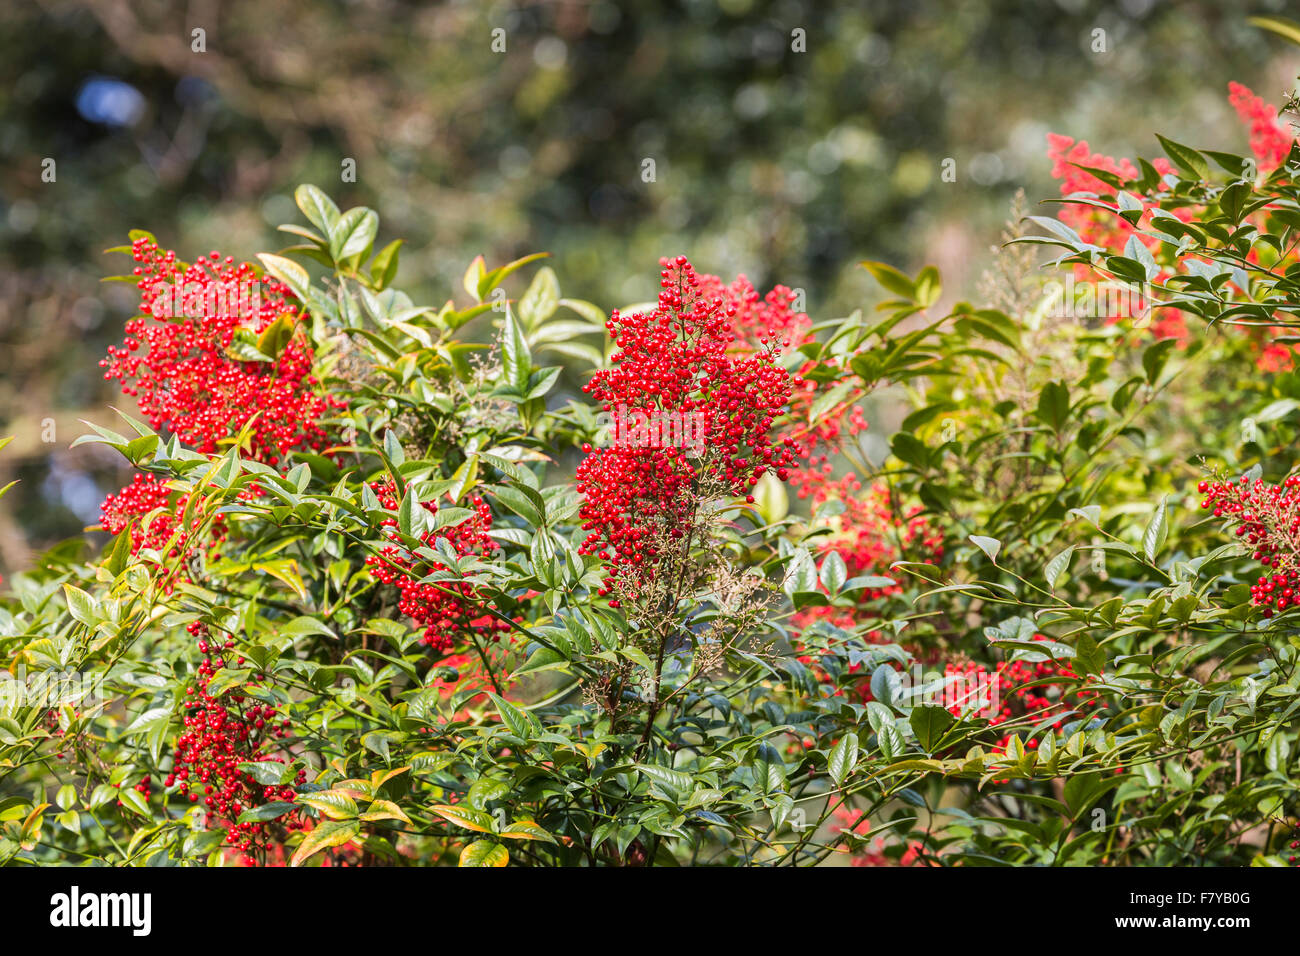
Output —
<point x="331" y="803"/>
<point x="910" y="450"/>
<point x="771" y="498"/>
<point x="890" y="740"/>
<point x="81" y="605"/>
<point x="928" y="287"/>
<point x="801" y="573"/>
<point x="1157" y="530"/>
<point x="526" y="830"/>
<point x="542" y="298"/>
<point x="488" y="281"/>
<point x="304" y="625"/>
<point x="276" y="336"/>
<point x="674" y="781"/>
<point x="1066" y="235"/>
<point x="288" y="272"/>
<point x="842" y="758"/>
<point x="834" y="573"/>
<point x="383" y="270"/>
<point x="1185" y="158"/>
<point x="1054" y="405"/>
<point x="473" y="276"/>
<point x="134" y="801"/>
<point x="384" y="810"/>
<point x="267" y="811"/>
<point x="149" y="720"/>
<point x="1155" y="357"/>
<point x="317" y="207"/>
<point x="354" y="233"/>
<point x="268" y="773"/>
<point x="1277" y="753"/>
<point x="1057" y="567"/>
<point x="516" y="359"/>
<point x="990" y="546"/>
<point x="521" y="723"/>
<point x="930" y="722"/>
<point x="891" y="279"/>
<point x="120" y="556"/>
<point x="393" y="448"/>
<point x="1283" y="27"/>
<point x="484" y="790"/>
<point x="520" y="503"/>
<point x="466" y="817"/>
<point x="885" y="684"/>
<point x="1090" y="655"/>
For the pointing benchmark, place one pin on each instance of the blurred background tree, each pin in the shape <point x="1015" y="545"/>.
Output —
<point x="789" y="139"/>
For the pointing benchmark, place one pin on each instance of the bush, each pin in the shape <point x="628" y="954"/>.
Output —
<point x="380" y="595"/>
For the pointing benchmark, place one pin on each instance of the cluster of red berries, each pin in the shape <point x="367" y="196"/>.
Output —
<point x="1267" y="518"/>
<point x="873" y="532"/>
<point x="447" y="610"/>
<point x="146" y="494"/>
<point x="1016" y="690"/>
<point x="176" y="357"/>
<point x="761" y="320"/>
<point x="758" y="320"/>
<point x="679" y="360"/>
<point x="870" y="535"/>
<point x="220" y="734"/>
<point x="1270" y="137"/>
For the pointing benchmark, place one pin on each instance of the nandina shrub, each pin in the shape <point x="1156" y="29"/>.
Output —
<point x="386" y="590"/>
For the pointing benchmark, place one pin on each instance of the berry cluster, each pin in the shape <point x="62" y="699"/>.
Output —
<point x="448" y="610"/>
<point x="760" y="320"/>
<point x="1267" y="518"/>
<point x="870" y="535"/>
<point x="757" y="319"/>
<point x="176" y="358"/>
<point x="146" y="494"/>
<point x="220" y="734"/>
<point x="680" y="360"/>
<point x="1270" y="139"/>
<point x="1016" y="690"/>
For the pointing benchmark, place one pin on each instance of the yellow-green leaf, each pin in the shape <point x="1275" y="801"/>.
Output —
<point x="331" y="833"/>
<point x="384" y="810"/>
<point x="526" y="830"/>
<point x="332" y="803"/>
<point x="484" y="853"/>
<point x="466" y="817"/>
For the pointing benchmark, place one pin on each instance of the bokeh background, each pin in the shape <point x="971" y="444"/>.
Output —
<point x="787" y="165"/>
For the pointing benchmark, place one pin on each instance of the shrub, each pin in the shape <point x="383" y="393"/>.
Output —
<point x="381" y="595"/>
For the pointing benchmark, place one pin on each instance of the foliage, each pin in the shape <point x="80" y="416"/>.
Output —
<point x="442" y="616"/>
